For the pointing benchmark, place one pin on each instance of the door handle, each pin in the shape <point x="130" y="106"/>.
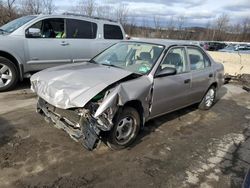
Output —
<point x="187" y="81"/>
<point x="210" y="75"/>
<point x="63" y="43"/>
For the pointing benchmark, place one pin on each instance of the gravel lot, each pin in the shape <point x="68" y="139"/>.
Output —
<point x="188" y="148"/>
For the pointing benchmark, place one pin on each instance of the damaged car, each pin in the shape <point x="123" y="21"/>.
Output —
<point x="111" y="97"/>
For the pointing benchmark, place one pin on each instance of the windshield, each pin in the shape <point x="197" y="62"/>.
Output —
<point x="132" y="56"/>
<point x="230" y="48"/>
<point x="15" y="24"/>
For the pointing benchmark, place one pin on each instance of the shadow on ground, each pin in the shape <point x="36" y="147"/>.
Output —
<point x="154" y="124"/>
<point x="25" y="84"/>
<point x="7" y="132"/>
<point x="236" y="161"/>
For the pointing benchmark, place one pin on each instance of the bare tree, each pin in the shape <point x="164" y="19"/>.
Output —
<point x="170" y="27"/>
<point x="145" y="27"/>
<point x="2" y="13"/>
<point x="246" y="29"/>
<point x="87" y="7"/>
<point x="222" y="22"/>
<point x="7" y="11"/>
<point x="157" y="26"/>
<point x="157" y="22"/>
<point x="10" y="4"/>
<point x="31" y="7"/>
<point x="49" y="6"/>
<point x="122" y="13"/>
<point x="221" y="26"/>
<point x="105" y="11"/>
<point x="180" y="22"/>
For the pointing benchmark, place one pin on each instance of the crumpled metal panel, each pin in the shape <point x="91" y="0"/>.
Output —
<point x="74" y="85"/>
<point x="137" y="89"/>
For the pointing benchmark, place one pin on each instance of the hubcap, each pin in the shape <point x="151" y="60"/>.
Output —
<point x="209" y="98"/>
<point x="125" y="130"/>
<point x="5" y="75"/>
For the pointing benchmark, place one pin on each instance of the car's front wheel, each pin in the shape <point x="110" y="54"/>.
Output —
<point x="125" y="130"/>
<point x="8" y="74"/>
<point x="208" y="99"/>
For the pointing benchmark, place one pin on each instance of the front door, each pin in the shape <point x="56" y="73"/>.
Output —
<point x="172" y="92"/>
<point x="50" y="48"/>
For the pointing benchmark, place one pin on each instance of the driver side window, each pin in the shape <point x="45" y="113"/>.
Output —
<point x="175" y="58"/>
<point x="49" y="28"/>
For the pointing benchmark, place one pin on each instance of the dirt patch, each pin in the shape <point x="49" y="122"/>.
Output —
<point x="170" y="151"/>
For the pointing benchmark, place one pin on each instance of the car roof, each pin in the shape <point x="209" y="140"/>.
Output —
<point x="164" y="42"/>
<point x="80" y="17"/>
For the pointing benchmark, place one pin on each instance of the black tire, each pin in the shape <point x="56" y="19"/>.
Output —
<point x="7" y="84"/>
<point x="127" y="114"/>
<point x="208" y="99"/>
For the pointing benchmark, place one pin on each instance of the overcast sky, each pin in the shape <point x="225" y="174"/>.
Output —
<point x="196" y="12"/>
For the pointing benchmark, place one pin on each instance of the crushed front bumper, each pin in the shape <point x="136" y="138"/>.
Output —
<point x="80" y="128"/>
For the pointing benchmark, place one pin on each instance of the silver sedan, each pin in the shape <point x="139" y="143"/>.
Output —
<point x="112" y="96"/>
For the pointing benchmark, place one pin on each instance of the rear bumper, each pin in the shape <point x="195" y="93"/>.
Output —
<point x="79" y="128"/>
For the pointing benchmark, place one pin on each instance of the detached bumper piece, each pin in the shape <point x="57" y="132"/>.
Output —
<point x="78" y="127"/>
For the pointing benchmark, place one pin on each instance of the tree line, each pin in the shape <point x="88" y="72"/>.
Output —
<point x="220" y="29"/>
<point x="12" y="9"/>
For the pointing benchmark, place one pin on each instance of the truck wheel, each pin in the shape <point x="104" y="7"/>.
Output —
<point x="209" y="99"/>
<point x="8" y="74"/>
<point x="125" y="130"/>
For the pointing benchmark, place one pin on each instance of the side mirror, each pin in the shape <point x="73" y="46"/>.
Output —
<point x="33" y="33"/>
<point x="167" y="71"/>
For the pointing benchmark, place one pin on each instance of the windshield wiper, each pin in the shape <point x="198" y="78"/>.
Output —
<point x="110" y="65"/>
<point x="92" y="61"/>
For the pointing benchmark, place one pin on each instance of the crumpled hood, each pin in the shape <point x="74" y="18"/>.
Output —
<point x="74" y="85"/>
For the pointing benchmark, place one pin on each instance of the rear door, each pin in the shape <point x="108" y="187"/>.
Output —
<point x="202" y="72"/>
<point x="81" y="36"/>
<point x="172" y="92"/>
<point x="109" y="35"/>
<point x="50" y="48"/>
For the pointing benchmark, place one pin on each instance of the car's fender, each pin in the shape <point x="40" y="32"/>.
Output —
<point x="11" y="54"/>
<point x="138" y="89"/>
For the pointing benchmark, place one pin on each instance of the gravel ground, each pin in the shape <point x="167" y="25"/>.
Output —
<point x="187" y="148"/>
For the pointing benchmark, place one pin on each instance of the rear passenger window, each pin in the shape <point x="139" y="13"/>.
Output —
<point x="80" y="29"/>
<point x="198" y="60"/>
<point x="112" y="32"/>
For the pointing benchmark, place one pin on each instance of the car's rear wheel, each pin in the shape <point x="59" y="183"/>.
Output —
<point x="8" y="74"/>
<point x="208" y="99"/>
<point x="125" y="130"/>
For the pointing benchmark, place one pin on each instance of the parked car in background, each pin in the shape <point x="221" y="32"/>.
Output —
<point x="213" y="46"/>
<point x="33" y="43"/>
<point x="115" y="93"/>
<point x="228" y="48"/>
<point x="236" y="49"/>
